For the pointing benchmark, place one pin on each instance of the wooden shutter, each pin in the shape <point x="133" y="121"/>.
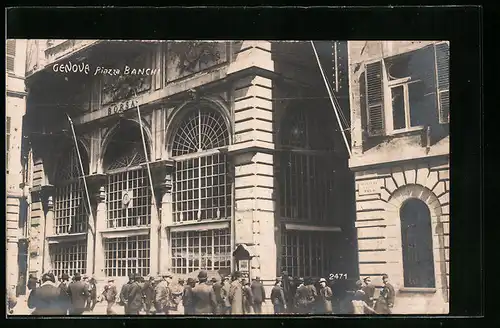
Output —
<point x="7" y="146"/>
<point x="375" y="98"/>
<point x="11" y="47"/>
<point x="443" y="81"/>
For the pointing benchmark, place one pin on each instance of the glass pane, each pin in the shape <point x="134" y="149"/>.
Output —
<point x="419" y="104"/>
<point x="398" y="107"/>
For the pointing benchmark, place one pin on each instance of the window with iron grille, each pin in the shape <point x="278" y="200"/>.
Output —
<point x="207" y="250"/>
<point x="416" y="238"/>
<point x="127" y="255"/>
<point x="70" y="209"/>
<point x="128" y="189"/>
<point x="306" y="253"/>
<point x="11" y="54"/>
<point x="201" y="188"/>
<point x="69" y="257"/>
<point x="306" y="181"/>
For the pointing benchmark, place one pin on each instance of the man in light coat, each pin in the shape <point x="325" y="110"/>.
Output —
<point x="163" y="295"/>
<point x="236" y="294"/>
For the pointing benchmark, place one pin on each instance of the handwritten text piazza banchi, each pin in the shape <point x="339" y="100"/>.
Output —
<point x="85" y="68"/>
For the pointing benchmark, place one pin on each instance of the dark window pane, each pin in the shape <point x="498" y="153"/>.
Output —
<point x="418" y="104"/>
<point x="398" y="107"/>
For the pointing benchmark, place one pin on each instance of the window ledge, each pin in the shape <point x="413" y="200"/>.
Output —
<point x="417" y="290"/>
<point x="411" y="130"/>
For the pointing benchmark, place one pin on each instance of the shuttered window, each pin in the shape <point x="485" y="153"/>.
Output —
<point x="443" y="81"/>
<point x="416" y="238"/>
<point x="11" y="53"/>
<point x="375" y="98"/>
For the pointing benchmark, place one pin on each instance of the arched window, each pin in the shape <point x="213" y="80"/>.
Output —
<point x="201" y="193"/>
<point x="416" y="237"/>
<point x="70" y="213"/>
<point x="129" y="202"/>
<point x="306" y="176"/>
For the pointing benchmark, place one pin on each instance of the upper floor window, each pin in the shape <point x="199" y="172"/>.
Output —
<point x="128" y="191"/>
<point x="407" y="91"/>
<point x="416" y="240"/>
<point x="11" y="54"/>
<point x="70" y="207"/>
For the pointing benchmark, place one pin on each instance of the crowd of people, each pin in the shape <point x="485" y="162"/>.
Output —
<point x="226" y="295"/>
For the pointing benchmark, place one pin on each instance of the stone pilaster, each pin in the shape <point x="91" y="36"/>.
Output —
<point x="47" y="195"/>
<point x="160" y="214"/>
<point x="98" y="193"/>
<point x="12" y="239"/>
<point x="253" y="159"/>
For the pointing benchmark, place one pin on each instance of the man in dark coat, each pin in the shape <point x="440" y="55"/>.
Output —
<point x="247" y="297"/>
<point x="304" y="298"/>
<point x="288" y="290"/>
<point x="124" y="292"/>
<point x="134" y="296"/>
<point x="93" y="293"/>
<point x="64" y="291"/>
<point x="259" y="295"/>
<point x="226" y="287"/>
<point x="369" y="291"/>
<point x="79" y="294"/>
<point x="148" y="292"/>
<point x="187" y="297"/>
<point x="219" y="296"/>
<point x="46" y="299"/>
<point x="385" y="302"/>
<point x="89" y="297"/>
<point x="204" y="300"/>
<point x="278" y="298"/>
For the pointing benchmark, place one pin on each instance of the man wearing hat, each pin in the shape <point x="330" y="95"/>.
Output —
<point x="109" y="293"/>
<point x="219" y="295"/>
<point x="302" y="297"/>
<point x="226" y="287"/>
<point x="324" y="303"/>
<point x="259" y="295"/>
<point x="187" y="296"/>
<point x="134" y="296"/>
<point x="163" y="294"/>
<point x="204" y="300"/>
<point x="236" y="294"/>
<point x="385" y="302"/>
<point x="369" y="290"/>
<point x="125" y="291"/>
<point x="46" y="299"/>
<point x="64" y="291"/>
<point x="79" y="294"/>
<point x="278" y="297"/>
<point x="148" y="293"/>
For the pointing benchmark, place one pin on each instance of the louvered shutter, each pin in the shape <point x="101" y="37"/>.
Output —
<point x="11" y="47"/>
<point x="375" y="98"/>
<point x="443" y="81"/>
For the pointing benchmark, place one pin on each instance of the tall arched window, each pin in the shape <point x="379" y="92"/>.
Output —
<point x="306" y="173"/>
<point x="70" y="214"/>
<point x="129" y="202"/>
<point x="201" y="193"/>
<point x="416" y="238"/>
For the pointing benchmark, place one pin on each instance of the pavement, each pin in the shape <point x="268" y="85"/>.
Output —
<point x="100" y="309"/>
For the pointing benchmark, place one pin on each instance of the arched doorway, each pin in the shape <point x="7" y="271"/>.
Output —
<point x="417" y="245"/>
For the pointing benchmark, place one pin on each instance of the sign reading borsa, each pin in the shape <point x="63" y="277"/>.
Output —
<point x="121" y="107"/>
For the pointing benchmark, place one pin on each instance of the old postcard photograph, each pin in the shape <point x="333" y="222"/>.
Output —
<point x="227" y="177"/>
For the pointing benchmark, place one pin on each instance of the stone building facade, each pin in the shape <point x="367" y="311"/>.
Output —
<point x="16" y="164"/>
<point x="399" y="95"/>
<point x="241" y="143"/>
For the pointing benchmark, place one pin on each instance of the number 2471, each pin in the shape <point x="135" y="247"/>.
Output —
<point x="337" y="276"/>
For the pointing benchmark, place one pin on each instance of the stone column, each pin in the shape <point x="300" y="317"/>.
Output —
<point x="99" y="208"/>
<point x="91" y="234"/>
<point x="47" y="193"/>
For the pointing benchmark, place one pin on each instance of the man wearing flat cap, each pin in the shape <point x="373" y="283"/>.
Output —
<point x="79" y="294"/>
<point x="369" y="290"/>
<point x="134" y="297"/>
<point x="204" y="300"/>
<point x="109" y="295"/>
<point x="46" y="299"/>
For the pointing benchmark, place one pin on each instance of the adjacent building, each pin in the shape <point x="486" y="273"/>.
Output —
<point x="241" y="142"/>
<point x="399" y="96"/>
<point x="16" y="165"/>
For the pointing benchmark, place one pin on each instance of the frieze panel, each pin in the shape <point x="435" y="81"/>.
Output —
<point x="189" y="57"/>
<point x="123" y="86"/>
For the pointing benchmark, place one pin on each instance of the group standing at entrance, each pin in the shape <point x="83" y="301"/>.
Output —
<point x="229" y="295"/>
